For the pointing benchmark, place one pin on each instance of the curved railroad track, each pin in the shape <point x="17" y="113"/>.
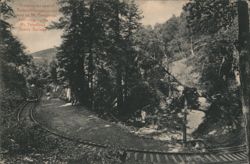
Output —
<point x="235" y="155"/>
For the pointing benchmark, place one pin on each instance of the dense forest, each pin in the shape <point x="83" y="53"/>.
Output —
<point x="114" y="65"/>
<point x="117" y="67"/>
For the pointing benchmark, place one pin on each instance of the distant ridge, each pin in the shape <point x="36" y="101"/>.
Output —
<point x="46" y="55"/>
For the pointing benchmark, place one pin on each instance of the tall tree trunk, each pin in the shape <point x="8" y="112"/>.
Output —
<point x="118" y="59"/>
<point x="90" y="78"/>
<point x="243" y="18"/>
<point x="91" y="57"/>
<point x="126" y="84"/>
<point x="81" y="84"/>
<point x="119" y="88"/>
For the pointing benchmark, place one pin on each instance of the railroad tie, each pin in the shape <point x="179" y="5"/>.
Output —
<point x="203" y="158"/>
<point x="128" y="155"/>
<point x="215" y="158"/>
<point x="223" y="158"/>
<point x="233" y="157"/>
<point x="166" y="157"/>
<point x="151" y="158"/>
<point x="209" y="158"/>
<point x="245" y="154"/>
<point x="236" y="156"/>
<point x="228" y="157"/>
<point x="158" y="158"/>
<point x="242" y="155"/>
<point x="181" y="158"/>
<point x="174" y="158"/>
<point x="144" y="157"/>
<point x="136" y="156"/>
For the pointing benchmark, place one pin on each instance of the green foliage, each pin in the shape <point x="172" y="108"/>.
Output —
<point x="151" y="52"/>
<point x="174" y="37"/>
<point x="12" y="56"/>
<point x="216" y="58"/>
<point x="98" y="56"/>
<point x="142" y="95"/>
<point x="5" y="10"/>
<point x="106" y="56"/>
<point x="217" y="62"/>
<point x="205" y="35"/>
<point x="21" y="138"/>
<point x="13" y="62"/>
<point x="209" y="16"/>
<point x="9" y="100"/>
<point x="37" y="74"/>
<point x="225" y="109"/>
<point x="104" y="92"/>
<point x="157" y="48"/>
<point x="13" y="80"/>
<point x="53" y="72"/>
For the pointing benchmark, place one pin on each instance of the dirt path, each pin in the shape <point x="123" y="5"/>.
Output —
<point x="79" y="123"/>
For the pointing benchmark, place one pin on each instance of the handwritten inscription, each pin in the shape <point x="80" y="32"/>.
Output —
<point x="35" y="17"/>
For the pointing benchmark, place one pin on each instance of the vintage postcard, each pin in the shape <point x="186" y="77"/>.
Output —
<point x="124" y="81"/>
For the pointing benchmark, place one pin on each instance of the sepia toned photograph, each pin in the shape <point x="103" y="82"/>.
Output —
<point x="124" y="81"/>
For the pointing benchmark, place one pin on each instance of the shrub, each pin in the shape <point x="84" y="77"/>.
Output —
<point x="141" y="95"/>
<point x="22" y="138"/>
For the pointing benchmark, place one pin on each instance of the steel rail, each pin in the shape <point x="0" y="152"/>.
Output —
<point x="234" y="154"/>
<point x="239" y="148"/>
<point x="212" y="155"/>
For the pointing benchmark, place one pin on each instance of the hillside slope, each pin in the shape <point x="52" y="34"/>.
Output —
<point x="44" y="55"/>
<point x="186" y="73"/>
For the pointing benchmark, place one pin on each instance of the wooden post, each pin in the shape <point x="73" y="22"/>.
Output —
<point x="243" y="19"/>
